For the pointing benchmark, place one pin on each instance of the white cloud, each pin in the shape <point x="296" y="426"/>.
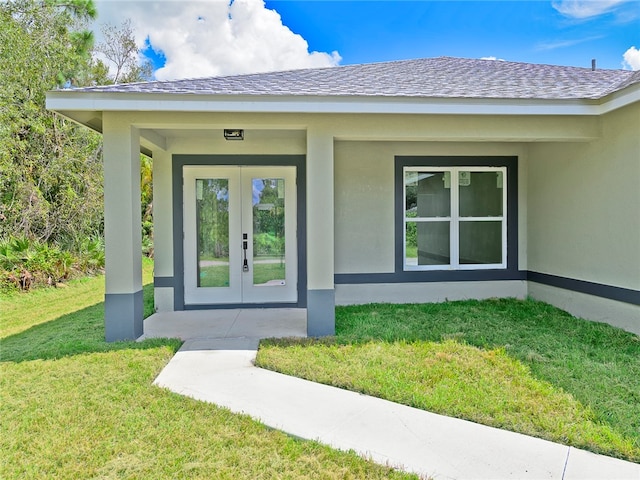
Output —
<point x="492" y="58"/>
<point x="631" y="59"/>
<point x="215" y="37"/>
<point x="585" y="8"/>
<point x="552" y="45"/>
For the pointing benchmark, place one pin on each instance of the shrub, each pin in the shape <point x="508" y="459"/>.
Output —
<point x="267" y="244"/>
<point x="91" y="255"/>
<point x="26" y="263"/>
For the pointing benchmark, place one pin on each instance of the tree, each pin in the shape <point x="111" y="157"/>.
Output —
<point x="122" y="52"/>
<point x="51" y="175"/>
<point x="50" y="169"/>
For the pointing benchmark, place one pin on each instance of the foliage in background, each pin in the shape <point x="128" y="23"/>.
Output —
<point x="212" y="207"/>
<point x="26" y="263"/>
<point x="146" y="189"/>
<point x="267" y="244"/>
<point x="51" y="174"/>
<point x="50" y="169"/>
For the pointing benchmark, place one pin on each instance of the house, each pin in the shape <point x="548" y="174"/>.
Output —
<point x="408" y="181"/>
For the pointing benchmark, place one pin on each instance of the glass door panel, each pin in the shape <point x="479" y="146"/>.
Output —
<point x="212" y="224"/>
<point x="269" y="244"/>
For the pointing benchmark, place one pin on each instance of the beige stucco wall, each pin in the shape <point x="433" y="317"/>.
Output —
<point x="364" y="197"/>
<point x="365" y="147"/>
<point x="584" y="204"/>
<point x="578" y="181"/>
<point x="256" y="142"/>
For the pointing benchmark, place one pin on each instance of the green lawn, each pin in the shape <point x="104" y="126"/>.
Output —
<point x="519" y="365"/>
<point x="264" y="272"/>
<point x="214" y="276"/>
<point x="218" y="275"/>
<point x="73" y="406"/>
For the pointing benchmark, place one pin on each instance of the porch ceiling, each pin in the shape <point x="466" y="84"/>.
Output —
<point x="161" y="137"/>
<point x="218" y="132"/>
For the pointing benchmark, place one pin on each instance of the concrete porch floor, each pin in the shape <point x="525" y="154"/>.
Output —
<point x="252" y="323"/>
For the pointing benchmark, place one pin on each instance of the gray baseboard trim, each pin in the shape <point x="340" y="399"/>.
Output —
<point x="620" y="294"/>
<point x="321" y="313"/>
<point x="430" y="276"/>
<point x="610" y="292"/>
<point x="123" y="316"/>
<point x="162" y="282"/>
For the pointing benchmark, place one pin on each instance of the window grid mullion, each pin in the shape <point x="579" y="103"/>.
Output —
<point x="428" y="219"/>
<point x="454" y="227"/>
<point x="504" y="216"/>
<point x="404" y="216"/>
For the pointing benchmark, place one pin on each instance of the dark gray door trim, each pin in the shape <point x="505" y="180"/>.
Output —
<point x="179" y="161"/>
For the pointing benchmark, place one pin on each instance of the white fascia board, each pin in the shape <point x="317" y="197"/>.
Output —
<point x="621" y="98"/>
<point x="149" y="102"/>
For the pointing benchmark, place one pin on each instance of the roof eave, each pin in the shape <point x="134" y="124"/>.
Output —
<point x="86" y="107"/>
<point x="621" y="98"/>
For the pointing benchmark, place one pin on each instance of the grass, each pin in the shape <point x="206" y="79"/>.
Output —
<point x="214" y="276"/>
<point x="519" y="365"/>
<point x="264" y="272"/>
<point x="218" y="275"/>
<point x="73" y="406"/>
<point x="22" y="310"/>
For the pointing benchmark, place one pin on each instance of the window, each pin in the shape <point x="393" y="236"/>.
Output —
<point x="455" y="217"/>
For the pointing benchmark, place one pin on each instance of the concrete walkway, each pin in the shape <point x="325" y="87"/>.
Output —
<point x="215" y="364"/>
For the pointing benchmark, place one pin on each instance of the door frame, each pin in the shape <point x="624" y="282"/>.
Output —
<point x="241" y="287"/>
<point x="181" y="160"/>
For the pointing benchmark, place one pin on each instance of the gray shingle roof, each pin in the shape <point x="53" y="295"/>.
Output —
<point x="441" y="77"/>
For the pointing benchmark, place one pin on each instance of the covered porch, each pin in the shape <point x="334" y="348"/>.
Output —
<point x="197" y="146"/>
<point x="231" y="324"/>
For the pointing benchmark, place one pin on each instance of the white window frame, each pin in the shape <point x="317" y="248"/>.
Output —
<point x="454" y="219"/>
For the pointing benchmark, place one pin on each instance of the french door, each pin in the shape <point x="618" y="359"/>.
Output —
<point x="240" y="235"/>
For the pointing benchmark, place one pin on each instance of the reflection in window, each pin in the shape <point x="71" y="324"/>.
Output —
<point x="268" y="232"/>
<point x="212" y="224"/>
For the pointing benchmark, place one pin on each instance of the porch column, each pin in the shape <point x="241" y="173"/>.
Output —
<point x="123" y="231"/>
<point x="163" y="232"/>
<point x="320" y="248"/>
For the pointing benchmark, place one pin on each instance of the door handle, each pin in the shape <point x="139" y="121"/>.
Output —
<point x="245" y="245"/>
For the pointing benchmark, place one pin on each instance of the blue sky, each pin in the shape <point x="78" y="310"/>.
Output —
<point x="526" y="31"/>
<point x="218" y="37"/>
